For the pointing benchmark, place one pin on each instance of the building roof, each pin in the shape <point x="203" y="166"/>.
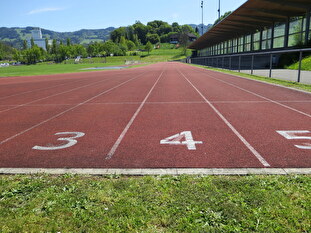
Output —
<point x="248" y="18"/>
<point x="176" y="35"/>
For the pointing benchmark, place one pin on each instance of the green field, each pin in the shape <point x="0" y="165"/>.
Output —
<point x="305" y="64"/>
<point x="72" y="203"/>
<point x="167" y="53"/>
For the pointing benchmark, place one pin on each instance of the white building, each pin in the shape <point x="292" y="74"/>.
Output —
<point x="37" y="38"/>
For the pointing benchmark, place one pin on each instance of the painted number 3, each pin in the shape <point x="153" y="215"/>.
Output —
<point x="70" y="141"/>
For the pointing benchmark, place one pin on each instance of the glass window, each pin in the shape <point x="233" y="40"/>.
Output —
<point x="279" y="30"/>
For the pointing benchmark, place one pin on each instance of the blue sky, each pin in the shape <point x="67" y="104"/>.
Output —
<point x="73" y="15"/>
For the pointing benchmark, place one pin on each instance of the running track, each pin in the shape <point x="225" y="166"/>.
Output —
<point x="166" y="115"/>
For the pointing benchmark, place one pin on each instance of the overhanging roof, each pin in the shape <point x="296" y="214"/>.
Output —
<point x="248" y="18"/>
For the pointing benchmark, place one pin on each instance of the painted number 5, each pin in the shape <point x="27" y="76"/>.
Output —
<point x="70" y="141"/>
<point x="297" y="134"/>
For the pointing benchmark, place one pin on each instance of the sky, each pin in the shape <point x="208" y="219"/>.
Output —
<point x="73" y="15"/>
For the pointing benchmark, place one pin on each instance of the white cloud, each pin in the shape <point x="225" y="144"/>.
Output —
<point x="42" y="10"/>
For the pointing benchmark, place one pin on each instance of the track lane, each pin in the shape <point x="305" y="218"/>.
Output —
<point x="17" y="115"/>
<point x="141" y="145"/>
<point x="273" y="93"/>
<point x="101" y="124"/>
<point x="258" y="123"/>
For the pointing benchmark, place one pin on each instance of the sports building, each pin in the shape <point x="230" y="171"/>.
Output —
<point x="258" y="27"/>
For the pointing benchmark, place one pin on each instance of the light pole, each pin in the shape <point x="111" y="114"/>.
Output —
<point x="218" y="9"/>
<point x="202" y="15"/>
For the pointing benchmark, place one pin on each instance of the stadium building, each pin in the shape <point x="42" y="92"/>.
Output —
<point x="256" y="35"/>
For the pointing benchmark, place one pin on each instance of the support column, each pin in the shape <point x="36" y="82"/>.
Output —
<point x="272" y="35"/>
<point x="286" y="32"/>
<point x="307" y="26"/>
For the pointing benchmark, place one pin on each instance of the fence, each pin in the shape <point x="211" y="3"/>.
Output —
<point x="248" y="61"/>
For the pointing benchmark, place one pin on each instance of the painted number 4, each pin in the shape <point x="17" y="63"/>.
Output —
<point x="297" y="134"/>
<point x="183" y="138"/>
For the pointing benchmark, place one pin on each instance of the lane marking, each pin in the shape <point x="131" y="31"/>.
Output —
<point x="158" y="171"/>
<point x="260" y="96"/>
<point x="117" y="143"/>
<point x="70" y="141"/>
<point x="245" y="142"/>
<point x="63" y="112"/>
<point x="64" y="92"/>
<point x="163" y="102"/>
<point x="177" y="140"/>
<point x="292" y="134"/>
<point x="41" y="89"/>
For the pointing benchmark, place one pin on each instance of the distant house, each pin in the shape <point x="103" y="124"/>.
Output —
<point x="37" y="38"/>
<point x="174" y="39"/>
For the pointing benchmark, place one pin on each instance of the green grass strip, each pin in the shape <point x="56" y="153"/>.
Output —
<point x="296" y="85"/>
<point x="75" y="203"/>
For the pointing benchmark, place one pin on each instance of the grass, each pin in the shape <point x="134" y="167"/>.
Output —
<point x="305" y="64"/>
<point x="300" y="86"/>
<point x="166" y="53"/>
<point x="72" y="203"/>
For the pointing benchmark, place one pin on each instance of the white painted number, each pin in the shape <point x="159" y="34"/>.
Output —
<point x="70" y="141"/>
<point x="292" y="134"/>
<point x="177" y="140"/>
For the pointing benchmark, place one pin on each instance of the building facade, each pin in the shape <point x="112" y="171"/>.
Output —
<point x="258" y="25"/>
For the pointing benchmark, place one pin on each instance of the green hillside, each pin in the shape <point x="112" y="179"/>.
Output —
<point x="16" y="35"/>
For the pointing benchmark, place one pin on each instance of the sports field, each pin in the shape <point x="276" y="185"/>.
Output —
<point x="165" y="118"/>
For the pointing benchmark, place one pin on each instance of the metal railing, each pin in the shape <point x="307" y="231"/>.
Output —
<point x="231" y="61"/>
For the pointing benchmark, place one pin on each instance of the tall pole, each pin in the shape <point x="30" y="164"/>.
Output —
<point x="218" y="9"/>
<point x="202" y="15"/>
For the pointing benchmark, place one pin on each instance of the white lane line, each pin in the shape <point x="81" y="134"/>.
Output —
<point x="61" y="113"/>
<point x="117" y="143"/>
<point x="245" y="142"/>
<point x="260" y="96"/>
<point x="64" y="92"/>
<point x="41" y="89"/>
<point x="162" y="103"/>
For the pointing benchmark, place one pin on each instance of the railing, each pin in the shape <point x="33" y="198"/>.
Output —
<point x="234" y="61"/>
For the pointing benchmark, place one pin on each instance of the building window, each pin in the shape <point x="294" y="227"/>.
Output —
<point x="266" y="39"/>
<point x="235" y="47"/>
<point x="256" y="41"/>
<point x="230" y="46"/>
<point x="247" y="43"/>
<point x="279" y="34"/>
<point x="241" y="44"/>
<point x="296" y="31"/>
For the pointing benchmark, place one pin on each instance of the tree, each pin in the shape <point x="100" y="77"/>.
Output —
<point x="148" y="47"/>
<point x="54" y="47"/>
<point x="32" y="42"/>
<point x="184" y="39"/>
<point x="47" y="46"/>
<point x="25" y="44"/>
<point x="141" y="31"/>
<point x="130" y="45"/>
<point x="153" y="38"/>
<point x="222" y="17"/>
<point x="68" y="42"/>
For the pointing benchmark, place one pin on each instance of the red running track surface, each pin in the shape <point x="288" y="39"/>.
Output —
<point x="166" y="115"/>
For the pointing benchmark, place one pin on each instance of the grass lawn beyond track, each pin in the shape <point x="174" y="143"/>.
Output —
<point x="72" y="203"/>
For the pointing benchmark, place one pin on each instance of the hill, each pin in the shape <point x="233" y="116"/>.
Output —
<point x="16" y="35"/>
<point x="199" y="26"/>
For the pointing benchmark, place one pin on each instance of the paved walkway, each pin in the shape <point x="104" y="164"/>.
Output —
<point x="290" y="75"/>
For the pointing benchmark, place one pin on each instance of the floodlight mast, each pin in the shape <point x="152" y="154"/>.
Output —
<point x="218" y="9"/>
<point x="202" y="16"/>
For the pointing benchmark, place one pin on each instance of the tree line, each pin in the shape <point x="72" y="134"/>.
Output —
<point x="122" y="40"/>
<point x="156" y="31"/>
